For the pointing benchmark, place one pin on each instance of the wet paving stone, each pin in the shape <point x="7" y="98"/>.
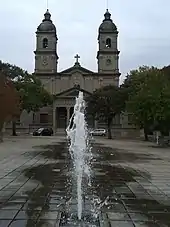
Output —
<point x="24" y="215"/>
<point x="4" y="223"/>
<point x="128" y="189"/>
<point x="121" y="224"/>
<point x="146" y="224"/>
<point x="87" y="221"/>
<point x="118" y="216"/>
<point x="22" y="223"/>
<point x="46" y="223"/>
<point x="8" y="214"/>
<point x="11" y="206"/>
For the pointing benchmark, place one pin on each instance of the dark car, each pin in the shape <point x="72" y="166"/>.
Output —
<point x="43" y="132"/>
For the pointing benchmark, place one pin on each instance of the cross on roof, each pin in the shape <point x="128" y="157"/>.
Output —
<point x="107" y="4"/>
<point x="77" y="58"/>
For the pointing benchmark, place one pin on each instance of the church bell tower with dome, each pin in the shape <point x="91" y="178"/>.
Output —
<point x="66" y="84"/>
<point x="46" y="57"/>
<point x="108" y="54"/>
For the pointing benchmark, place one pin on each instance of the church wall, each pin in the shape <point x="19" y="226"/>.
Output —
<point x="89" y="84"/>
<point x="23" y="122"/>
<point x="64" y="83"/>
<point x="48" y="82"/>
<point x="57" y="85"/>
<point x="109" y="80"/>
<point x="46" y="68"/>
<point x="45" y="63"/>
<point x="77" y="79"/>
<point x="26" y="118"/>
<point x="96" y="83"/>
<point x="103" y="63"/>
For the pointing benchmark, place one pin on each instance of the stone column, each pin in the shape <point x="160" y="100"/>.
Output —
<point x="68" y="114"/>
<point x="54" y="119"/>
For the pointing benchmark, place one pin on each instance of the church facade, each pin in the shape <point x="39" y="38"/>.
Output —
<point x="65" y="85"/>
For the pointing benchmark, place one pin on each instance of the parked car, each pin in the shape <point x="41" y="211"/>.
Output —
<point x="43" y="132"/>
<point x="98" y="132"/>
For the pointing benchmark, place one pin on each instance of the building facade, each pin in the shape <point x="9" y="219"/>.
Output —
<point x="66" y="84"/>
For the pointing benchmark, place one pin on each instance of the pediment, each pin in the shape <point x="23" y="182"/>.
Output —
<point x="73" y="92"/>
<point x="77" y="68"/>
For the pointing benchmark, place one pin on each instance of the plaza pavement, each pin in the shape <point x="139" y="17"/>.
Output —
<point x="134" y="174"/>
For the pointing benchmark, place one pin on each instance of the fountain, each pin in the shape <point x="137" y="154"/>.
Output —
<point x="77" y="134"/>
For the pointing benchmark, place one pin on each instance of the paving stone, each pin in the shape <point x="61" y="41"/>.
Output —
<point x="146" y="224"/>
<point x="118" y="216"/>
<point x="50" y="215"/>
<point x="8" y="214"/>
<point x="121" y="224"/>
<point x="22" y="223"/>
<point x="138" y="217"/>
<point x="134" y="177"/>
<point x="11" y="206"/>
<point x="24" y="215"/>
<point x="46" y="223"/>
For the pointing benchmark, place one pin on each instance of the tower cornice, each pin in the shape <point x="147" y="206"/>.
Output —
<point x="105" y="52"/>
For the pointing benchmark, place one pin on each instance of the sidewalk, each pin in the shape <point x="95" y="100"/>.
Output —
<point x="12" y="146"/>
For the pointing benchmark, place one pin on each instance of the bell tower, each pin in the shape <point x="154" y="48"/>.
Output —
<point x="46" y="57"/>
<point x="108" y="54"/>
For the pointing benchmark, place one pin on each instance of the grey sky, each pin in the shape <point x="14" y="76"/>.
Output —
<point x="144" y="33"/>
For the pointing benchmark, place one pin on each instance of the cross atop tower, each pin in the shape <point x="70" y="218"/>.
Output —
<point x="107" y="4"/>
<point x="77" y="58"/>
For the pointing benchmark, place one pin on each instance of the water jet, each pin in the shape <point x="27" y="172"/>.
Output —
<point x="77" y="134"/>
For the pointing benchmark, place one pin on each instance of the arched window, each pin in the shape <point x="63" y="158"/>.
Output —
<point x="45" y="43"/>
<point x="108" y="43"/>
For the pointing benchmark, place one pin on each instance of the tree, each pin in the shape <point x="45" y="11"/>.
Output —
<point x="12" y="71"/>
<point x="150" y="103"/>
<point x="105" y="103"/>
<point x="132" y="85"/>
<point x="33" y="95"/>
<point x="135" y="79"/>
<point x="9" y="101"/>
<point x="32" y="92"/>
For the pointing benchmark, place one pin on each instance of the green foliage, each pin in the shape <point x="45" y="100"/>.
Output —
<point x="33" y="94"/>
<point x="135" y="79"/>
<point x="149" y="97"/>
<point x="105" y="103"/>
<point x="12" y="71"/>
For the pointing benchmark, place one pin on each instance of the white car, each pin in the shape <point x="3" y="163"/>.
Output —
<point x="98" y="132"/>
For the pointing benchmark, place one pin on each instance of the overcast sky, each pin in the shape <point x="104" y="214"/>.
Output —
<point x="144" y="32"/>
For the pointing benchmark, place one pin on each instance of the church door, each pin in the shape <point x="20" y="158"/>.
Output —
<point x="62" y="117"/>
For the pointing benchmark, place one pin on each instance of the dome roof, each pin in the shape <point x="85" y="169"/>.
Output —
<point x="107" y="24"/>
<point x="47" y="24"/>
